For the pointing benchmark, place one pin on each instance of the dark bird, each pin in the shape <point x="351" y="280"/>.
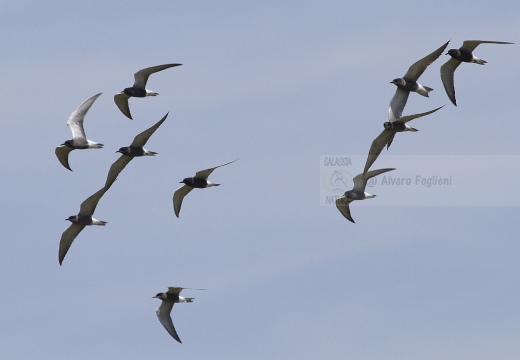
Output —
<point x="164" y="310"/>
<point x="79" y="139"/>
<point x="463" y="54"/>
<point x="139" y="88"/>
<point x="129" y="152"/>
<point x="199" y="181"/>
<point x="408" y="83"/>
<point x="357" y="192"/>
<point x="387" y="136"/>
<point x="79" y="222"/>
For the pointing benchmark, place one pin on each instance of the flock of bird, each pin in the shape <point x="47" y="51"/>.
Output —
<point x="135" y="149"/>
<point x="398" y="123"/>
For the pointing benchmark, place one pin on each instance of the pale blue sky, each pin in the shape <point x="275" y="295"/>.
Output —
<point x="277" y="84"/>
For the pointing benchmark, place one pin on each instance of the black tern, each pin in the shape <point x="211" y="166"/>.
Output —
<point x="463" y="54"/>
<point x="139" y="88"/>
<point x="164" y="310"/>
<point x="79" y="222"/>
<point x="387" y="136"/>
<point x="129" y="152"/>
<point x="200" y="181"/>
<point x="357" y="192"/>
<point x="409" y="83"/>
<point x="79" y="139"/>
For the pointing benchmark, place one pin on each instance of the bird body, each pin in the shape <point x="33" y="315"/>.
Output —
<point x="79" y="221"/>
<point x="357" y="192"/>
<point x="408" y="83"/>
<point x="79" y="139"/>
<point x="199" y="181"/>
<point x="139" y="88"/>
<point x="458" y="56"/>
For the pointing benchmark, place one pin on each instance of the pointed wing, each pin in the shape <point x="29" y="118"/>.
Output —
<point x="397" y="104"/>
<point x="418" y="67"/>
<point x="203" y="174"/>
<point x="470" y="45"/>
<point x="163" y="314"/>
<point x="115" y="169"/>
<point x="447" y="74"/>
<point x="174" y="290"/>
<point x="67" y="238"/>
<point x="88" y="206"/>
<point x="141" y="77"/>
<point x="377" y="146"/>
<point x="75" y="121"/>
<point x="343" y="206"/>
<point x="121" y="101"/>
<point x="142" y="138"/>
<point x="62" y="152"/>
<point x="178" y="196"/>
<point x="407" y="118"/>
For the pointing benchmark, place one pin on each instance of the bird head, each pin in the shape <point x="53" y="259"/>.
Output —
<point x="72" y="218"/>
<point x="67" y="143"/>
<point x="398" y="82"/>
<point x="388" y="125"/>
<point x="124" y="150"/>
<point x="128" y="91"/>
<point x="161" y="296"/>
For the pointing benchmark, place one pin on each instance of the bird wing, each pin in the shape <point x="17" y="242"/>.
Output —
<point x="141" y="77"/>
<point x="88" y="206"/>
<point x="447" y="73"/>
<point x="407" y="118"/>
<point x="121" y="101"/>
<point x="75" y="121"/>
<point x="62" y="152"/>
<point x="377" y="146"/>
<point x="67" y="238"/>
<point x="174" y="290"/>
<point x="343" y="206"/>
<point x="360" y="181"/>
<point x="115" y="169"/>
<point x="178" y="196"/>
<point x="470" y="45"/>
<point x="397" y="104"/>
<point x="163" y="313"/>
<point x="203" y="174"/>
<point x="142" y="138"/>
<point x="419" y="66"/>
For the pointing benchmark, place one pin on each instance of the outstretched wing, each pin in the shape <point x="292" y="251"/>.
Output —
<point x="204" y="174"/>
<point x="377" y="146"/>
<point x="115" y="169"/>
<point x="75" y="121"/>
<point x="416" y="70"/>
<point x="67" y="238"/>
<point x="178" y="196"/>
<point x="142" y="138"/>
<point x="343" y="206"/>
<point x="164" y="315"/>
<point x="447" y="75"/>
<point x="470" y="45"/>
<point x="121" y="101"/>
<point x="407" y="118"/>
<point x="62" y="152"/>
<point x="141" y="77"/>
<point x="88" y="206"/>
<point x="397" y="104"/>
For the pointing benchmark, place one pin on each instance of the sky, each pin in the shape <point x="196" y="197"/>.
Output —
<point x="424" y="273"/>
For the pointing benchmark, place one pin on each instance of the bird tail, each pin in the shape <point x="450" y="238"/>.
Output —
<point x="412" y="129"/>
<point x="189" y="299"/>
<point x="479" y="61"/>
<point x="428" y="89"/>
<point x="212" y="184"/>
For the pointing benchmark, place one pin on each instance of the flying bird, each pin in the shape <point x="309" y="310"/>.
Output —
<point x="387" y="136"/>
<point x="79" y="139"/>
<point x="463" y="54"/>
<point x="139" y="88"/>
<point x="200" y="181"/>
<point x="409" y="83"/>
<point x="357" y="192"/>
<point x="79" y="222"/>
<point x="129" y="152"/>
<point x="164" y="310"/>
